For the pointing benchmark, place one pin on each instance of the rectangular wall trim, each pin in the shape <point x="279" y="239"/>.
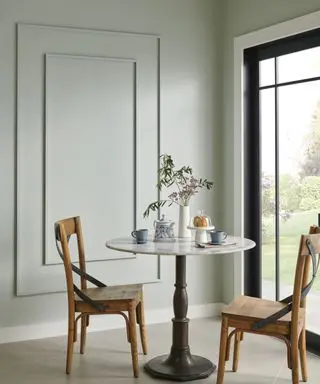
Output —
<point x="84" y="95"/>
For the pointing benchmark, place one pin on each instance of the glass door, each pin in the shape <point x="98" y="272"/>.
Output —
<point x="283" y="114"/>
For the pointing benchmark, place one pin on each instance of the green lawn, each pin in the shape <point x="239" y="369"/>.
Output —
<point x="290" y="232"/>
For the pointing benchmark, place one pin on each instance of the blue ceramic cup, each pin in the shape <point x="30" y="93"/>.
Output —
<point x="141" y="236"/>
<point x="218" y="237"/>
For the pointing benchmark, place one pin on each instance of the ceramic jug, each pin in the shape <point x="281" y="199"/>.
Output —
<point x="163" y="230"/>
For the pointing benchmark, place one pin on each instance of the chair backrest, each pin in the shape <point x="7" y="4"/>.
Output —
<point x="302" y="281"/>
<point x="308" y="263"/>
<point x="64" y="229"/>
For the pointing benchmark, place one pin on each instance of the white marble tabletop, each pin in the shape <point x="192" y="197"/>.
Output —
<point x="179" y="247"/>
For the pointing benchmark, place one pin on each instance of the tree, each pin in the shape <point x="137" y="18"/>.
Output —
<point x="310" y="190"/>
<point x="310" y="165"/>
<point x="268" y="195"/>
<point x="290" y="193"/>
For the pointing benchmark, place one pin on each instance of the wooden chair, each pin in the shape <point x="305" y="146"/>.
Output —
<point x="99" y="300"/>
<point x="283" y="319"/>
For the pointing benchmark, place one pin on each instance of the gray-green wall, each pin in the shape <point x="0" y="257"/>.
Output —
<point x="189" y="96"/>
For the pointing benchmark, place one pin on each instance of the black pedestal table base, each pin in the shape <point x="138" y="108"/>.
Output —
<point x="180" y="364"/>
<point x="193" y="368"/>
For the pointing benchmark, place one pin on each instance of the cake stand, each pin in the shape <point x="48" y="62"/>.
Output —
<point x="201" y="233"/>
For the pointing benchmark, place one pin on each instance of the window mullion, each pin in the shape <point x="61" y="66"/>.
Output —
<point x="277" y="187"/>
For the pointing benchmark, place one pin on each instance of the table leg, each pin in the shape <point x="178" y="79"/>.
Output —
<point x="180" y="364"/>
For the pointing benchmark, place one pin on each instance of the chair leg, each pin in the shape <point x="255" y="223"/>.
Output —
<point x="237" y="339"/>
<point x="223" y="349"/>
<point x="289" y="362"/>
<point x="228" y="348"/>
<point x="142" y="326"/>
<point x="83" y="337"/>
<point x="75" y="332"/>
<point x="71" y="328"/>
<point x="295" y="363"/>
<point x="133" y="341"/>
<point x="303" y="355"/>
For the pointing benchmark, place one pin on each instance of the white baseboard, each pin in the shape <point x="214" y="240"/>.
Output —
<point x="101" y="323"/>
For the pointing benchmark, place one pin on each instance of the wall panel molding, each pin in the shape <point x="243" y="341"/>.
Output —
<point x="51" y="61"/>
<point x="57" y="68"/>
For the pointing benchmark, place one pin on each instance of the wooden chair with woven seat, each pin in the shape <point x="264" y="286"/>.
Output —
<point x="99" y="300"/>
<point x="283" y="319"/>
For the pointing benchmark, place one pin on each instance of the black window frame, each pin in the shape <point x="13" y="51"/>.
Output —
<point x="252" y="159"/>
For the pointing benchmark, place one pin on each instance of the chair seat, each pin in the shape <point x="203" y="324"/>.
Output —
<point x="113" y="293"/>
<point x="254" y="315"/>
<point x="253" y="308"/>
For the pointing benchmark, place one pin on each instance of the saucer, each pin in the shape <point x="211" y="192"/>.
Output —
<point x="215" y="243"/>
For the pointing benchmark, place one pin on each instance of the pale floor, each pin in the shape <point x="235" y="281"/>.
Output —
<point x="107" y="358"/>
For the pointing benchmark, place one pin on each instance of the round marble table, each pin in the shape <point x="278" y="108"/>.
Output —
<point x="180" y="364"/>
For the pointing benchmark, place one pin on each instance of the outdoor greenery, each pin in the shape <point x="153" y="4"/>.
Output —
<point x="295" y="194"/>
<point x="290" y="232"/>
<point x="299" y="205"/>
<point x="310" y="166"/>
<point x="310" y="193"/>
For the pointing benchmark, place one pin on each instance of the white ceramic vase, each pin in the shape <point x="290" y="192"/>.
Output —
<point x="184" y="221"/>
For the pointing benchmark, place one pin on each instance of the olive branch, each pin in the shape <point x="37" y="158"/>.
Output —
<point x="187" y="185"/>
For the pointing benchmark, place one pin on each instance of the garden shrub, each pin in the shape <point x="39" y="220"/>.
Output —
<point x="310" y="192"/>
